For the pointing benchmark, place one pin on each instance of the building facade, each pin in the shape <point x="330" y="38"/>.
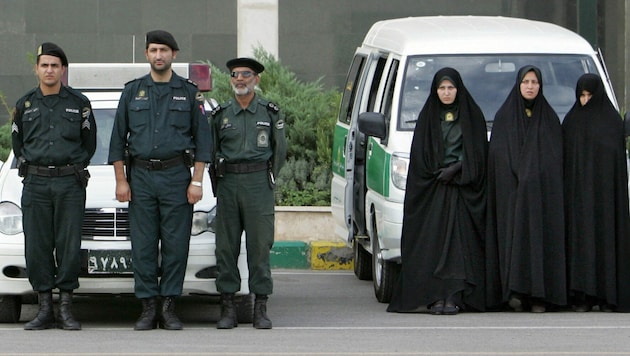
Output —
<point x="314" y="38"/>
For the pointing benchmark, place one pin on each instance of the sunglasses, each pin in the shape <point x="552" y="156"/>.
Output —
<point x="243" y="73"/>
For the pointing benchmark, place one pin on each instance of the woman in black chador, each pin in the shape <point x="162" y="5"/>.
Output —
<point x="444" y="209"/>
<point x="525" y="246"/>
<point x="596" y="201"/>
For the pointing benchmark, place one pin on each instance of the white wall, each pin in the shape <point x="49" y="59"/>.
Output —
<point x="257" y="26"/>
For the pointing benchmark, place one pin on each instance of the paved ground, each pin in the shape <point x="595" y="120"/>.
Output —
<point x="323" y="313"/>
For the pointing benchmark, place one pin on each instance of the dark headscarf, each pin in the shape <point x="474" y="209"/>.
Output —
<point x="596" y="198"/>
<point x="525" y="243"/>
<point x="428" y="132"/>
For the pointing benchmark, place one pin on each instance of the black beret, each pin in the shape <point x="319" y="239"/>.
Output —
<point x="161" y="37"/>
<point x="51" y="49"/>
<point x="245" y="62"/>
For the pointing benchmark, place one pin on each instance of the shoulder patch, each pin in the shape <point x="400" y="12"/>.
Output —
<point x="191" y="82"/>
<point x="199" y="97"/>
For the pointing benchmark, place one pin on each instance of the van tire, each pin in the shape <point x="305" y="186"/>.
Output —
<point x="10" y="308"/>
<point x="384" y="273"/>
<point x="362" y="261"/>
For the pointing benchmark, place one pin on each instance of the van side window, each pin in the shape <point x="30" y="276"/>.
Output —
<point x="376" y="81"/>
<point x="350" y="89"/>
<point x="390" y="86"/>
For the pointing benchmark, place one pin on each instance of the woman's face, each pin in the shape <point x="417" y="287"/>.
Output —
<point x="585" y="97"/>
<point x="447" y="92"/>
<point x="530" y="86"/>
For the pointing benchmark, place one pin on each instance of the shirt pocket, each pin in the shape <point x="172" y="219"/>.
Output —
<point x="71" y="126"/>
<point x="31" y="124"/>
<point x="139" y="114"/>
<point x="180" y="116"/>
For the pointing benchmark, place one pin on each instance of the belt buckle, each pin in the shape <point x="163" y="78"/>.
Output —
<point x="156" y="164"/>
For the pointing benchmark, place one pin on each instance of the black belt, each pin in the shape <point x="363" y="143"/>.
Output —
<point x="158" y="164"/>
<point x="53" y="171"/>
<point x="245" y="167"/>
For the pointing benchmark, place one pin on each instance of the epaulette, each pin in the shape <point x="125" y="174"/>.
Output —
<point x="191" y="82"/>
<point x="216" y="110"/>
<point x="133" y="80"/>
<point x="76" y="93"/>
<point x="273" y="107"/>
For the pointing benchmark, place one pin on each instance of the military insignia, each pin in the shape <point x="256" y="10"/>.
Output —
<point x="142" y="93"/>
<point x="85" y="124"/>
<point x="215" y="110"/>
<point x="262" y="139"/>
<point x="39" y="50"/>
<point x="280" y="124"/>
<point x="27" y="104"/>
<point x="528" y="112"/>
<point x="449" y="116"/>
<point x="199" y="97"/>
<point x="225" y="121"/>
<point x="86" y="112"/>
<point x="14" y="128"/>
<point x="273" y="107"/>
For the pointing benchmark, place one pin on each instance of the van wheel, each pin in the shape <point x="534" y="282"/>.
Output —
<point x="362" y="261"/>
<point x="10" y="308"/>
<point x="385" y="273"/>
<point x="245" y="309"/>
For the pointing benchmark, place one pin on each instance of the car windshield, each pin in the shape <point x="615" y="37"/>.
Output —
<point x="489" y="78"/>
<point x="104" y="123"/>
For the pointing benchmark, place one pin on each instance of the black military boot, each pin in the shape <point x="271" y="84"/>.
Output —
<point x="228" y="312"/>
<point x="45" y="318"/>
<point x="261" y="320"/>
<point x="149" y="318"/>
<point x="168" y="319"/>
<point x="65" y="320"/>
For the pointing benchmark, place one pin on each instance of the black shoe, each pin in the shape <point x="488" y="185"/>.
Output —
<point x="168" y="319"/>
<point x="45" y="318"/>
<point x="450" y="309"/>
<point x="148" y="319"/>
<point x="437" y="308"/>
<point x="228" y="312"/>
<point x="261" y="320"/>
<point x="66" y="320"/>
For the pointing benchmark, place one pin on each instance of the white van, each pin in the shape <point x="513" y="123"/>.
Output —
<point x="391" y="75"/>
<point x="105" y="246"/>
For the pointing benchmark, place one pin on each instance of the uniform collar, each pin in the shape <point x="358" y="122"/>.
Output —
<point x="252" y="107"/>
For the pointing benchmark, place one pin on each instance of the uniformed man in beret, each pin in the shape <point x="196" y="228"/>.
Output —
<point x="162" y="125"/>
<point x="250" y="148"/>
<point x="54" y="137"/>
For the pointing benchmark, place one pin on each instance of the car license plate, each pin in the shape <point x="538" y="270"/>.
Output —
<point x="109" y="261"/>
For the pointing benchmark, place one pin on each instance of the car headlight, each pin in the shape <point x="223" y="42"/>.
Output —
<point x="400" y="165"/>
<point x="10" y="218"/>
<point x="202" y="221"/>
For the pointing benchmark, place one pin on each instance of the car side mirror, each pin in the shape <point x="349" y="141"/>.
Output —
<point x="373" y="124"/>
<point x="626" y="124"/>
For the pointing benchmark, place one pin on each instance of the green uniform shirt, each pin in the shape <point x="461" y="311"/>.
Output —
<point x="54" y="130"/>
<point x="253" y="134"/>
<point x="160" y="121"/>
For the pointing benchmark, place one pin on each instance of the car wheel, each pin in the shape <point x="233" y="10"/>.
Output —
<point x="245" y="309"/>
<point x="384" y="273"/>
<point x="10" y="308"/>
<point x="362" y="261"/>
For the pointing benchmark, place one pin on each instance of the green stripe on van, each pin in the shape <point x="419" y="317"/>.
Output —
<point x="378" y="163"/>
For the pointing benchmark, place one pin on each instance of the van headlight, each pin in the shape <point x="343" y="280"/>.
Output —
<point x="10" y="218"/>
<point x="399" y="167"/>
<point x="203" y="221"/>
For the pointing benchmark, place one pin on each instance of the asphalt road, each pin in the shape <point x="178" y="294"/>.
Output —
<point x="322" y="313"/>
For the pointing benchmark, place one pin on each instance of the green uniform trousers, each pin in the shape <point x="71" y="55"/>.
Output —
<point x="53" y="209"/>
<point x="245" y="202"/>
<point x="160" y="219"/>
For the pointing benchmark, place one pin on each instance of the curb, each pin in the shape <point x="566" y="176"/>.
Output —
<point x="317" y="255"/>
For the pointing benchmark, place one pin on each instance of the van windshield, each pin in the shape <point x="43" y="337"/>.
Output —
<point x="489" y="78"/>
